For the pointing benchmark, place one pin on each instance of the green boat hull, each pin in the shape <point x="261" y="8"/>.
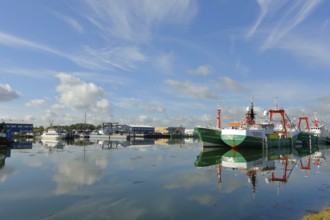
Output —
<point x="243" y="141"/>
<point x="306" y="139"/>
<point x="210" y="137"/>
<point x="323" y="141"/>
<point x="210" y="157"/>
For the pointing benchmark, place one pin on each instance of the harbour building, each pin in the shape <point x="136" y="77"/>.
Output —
<point x="18" y="128"/>
<point x="9" y="129"/>
<point x="138" y="129"/>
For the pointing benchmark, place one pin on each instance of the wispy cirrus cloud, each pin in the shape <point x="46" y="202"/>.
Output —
<point x="29" y="72"/>
<point x="13" y="41"/>
<point x="70" y="21"/>
<point x="116" y="57"/>
<point x="134" y="20"/>
<point x="187" y="88"/>
<point x="289" y="14"/>
<point x="105" y="58"/>
<point x="119" y="22"/>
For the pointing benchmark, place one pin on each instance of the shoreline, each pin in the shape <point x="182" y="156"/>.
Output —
<point x="323" y="214"/>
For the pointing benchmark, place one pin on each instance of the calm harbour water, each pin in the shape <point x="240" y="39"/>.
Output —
<point x="161" y="180"/>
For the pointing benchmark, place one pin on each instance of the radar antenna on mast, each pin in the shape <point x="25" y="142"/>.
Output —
<point x="276" y="101"/>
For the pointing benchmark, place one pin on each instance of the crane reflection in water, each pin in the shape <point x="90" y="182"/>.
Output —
<point x="275" y="164"/>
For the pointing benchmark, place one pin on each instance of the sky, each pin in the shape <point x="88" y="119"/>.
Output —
<point x="162" y="62"/>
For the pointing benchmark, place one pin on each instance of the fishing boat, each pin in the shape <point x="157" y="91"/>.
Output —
<point x="321" y="131"/>
<point x="317" y="133"/>
<point x="250" y="134"/>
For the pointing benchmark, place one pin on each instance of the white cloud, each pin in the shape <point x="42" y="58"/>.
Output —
<point x="190" y="89"/>
<point x="75" y="173"/>
<point x="7" y="93"/>
<point x="7" y="172"/>
<point x="80" y="95"/>
<point x="102" y="105"/>
<point x="201" y="70"/>
<point x="35" y="103"/>
<point x="142" y="118"/>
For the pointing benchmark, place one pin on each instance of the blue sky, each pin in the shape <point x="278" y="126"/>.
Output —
<point x="162" y="62"/>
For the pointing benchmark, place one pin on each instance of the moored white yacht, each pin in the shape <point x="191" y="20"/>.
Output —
<point x="53" y="134"/>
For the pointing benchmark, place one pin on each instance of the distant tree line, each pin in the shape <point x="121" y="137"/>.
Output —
<point x="69" y="128"/>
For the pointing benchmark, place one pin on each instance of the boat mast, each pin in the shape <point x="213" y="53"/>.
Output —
<point x="250" y="115"/>
<point x="315" y="121"/>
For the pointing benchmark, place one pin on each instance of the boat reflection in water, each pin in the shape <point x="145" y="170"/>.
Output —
<point x="273" y="164"/>
<point x="22" y="144"/>
<point x="58" y="143"/>
<point x="210" y="156"/>
<point x="4" y="153"/>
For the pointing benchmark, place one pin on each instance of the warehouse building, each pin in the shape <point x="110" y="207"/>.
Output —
<point x="18" y="128"/>
<point x="138" y="129"/>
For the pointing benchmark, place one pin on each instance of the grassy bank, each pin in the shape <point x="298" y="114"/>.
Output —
<point x="322" y="215"/>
